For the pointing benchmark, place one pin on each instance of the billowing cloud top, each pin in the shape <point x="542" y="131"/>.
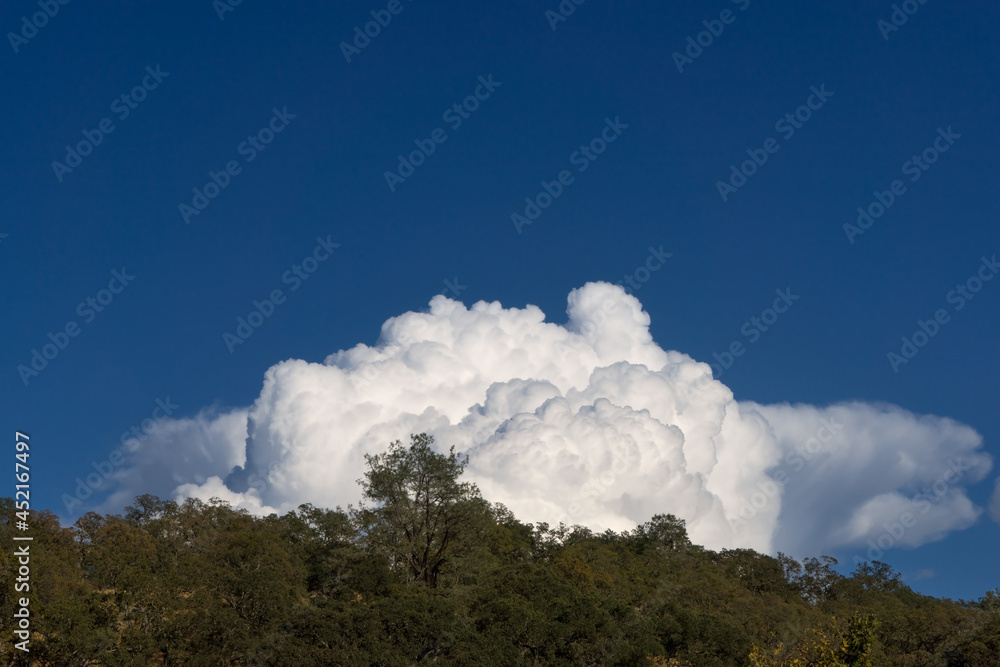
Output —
<point x="588" y="422"/>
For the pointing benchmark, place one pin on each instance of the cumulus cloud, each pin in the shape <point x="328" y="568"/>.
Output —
<point x="179" y="451"/>
<point x="587" y="422"/>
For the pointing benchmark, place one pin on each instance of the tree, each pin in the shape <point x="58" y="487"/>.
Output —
<point x="878" y="576"/>
<point x="758" y="572"/>
<point x="813" y="578"/>
<point x="664" y="531"/>
<point x="147" y="509"/>
<point x="204" y="583"/>
<point x="819" y="578"/>
<point x="825" y="646"/>
<point x="421" y="511"/>
<point x="990" y="602"/>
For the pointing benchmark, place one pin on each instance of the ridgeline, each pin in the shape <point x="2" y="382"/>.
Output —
<point x="425" y="571"/>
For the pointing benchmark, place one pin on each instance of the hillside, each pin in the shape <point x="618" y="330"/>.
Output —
<point x="425" y="571"/>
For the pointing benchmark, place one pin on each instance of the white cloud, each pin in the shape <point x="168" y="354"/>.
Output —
<point x="995" y="503"/>
<point x="179" y="451"/>
<point x="882" y="462"/>
<point x="588" y="422"/>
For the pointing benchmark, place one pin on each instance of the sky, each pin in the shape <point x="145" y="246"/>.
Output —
<point x="731" y="260"/>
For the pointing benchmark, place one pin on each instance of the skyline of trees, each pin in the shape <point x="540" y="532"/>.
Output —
<point x="426" y="571"/>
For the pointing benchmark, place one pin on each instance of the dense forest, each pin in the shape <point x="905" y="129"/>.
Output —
<point x="426" y="571"/>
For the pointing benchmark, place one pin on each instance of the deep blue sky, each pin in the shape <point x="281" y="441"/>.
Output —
<point x="655" y="185"/>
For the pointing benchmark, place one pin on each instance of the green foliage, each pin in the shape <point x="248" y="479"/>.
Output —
<point x="426" y="571"/>
<point x="422" y="513"/>
<point x="825" y="646"/>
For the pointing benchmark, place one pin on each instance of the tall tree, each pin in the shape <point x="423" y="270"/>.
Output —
<point x="421" y="512"/>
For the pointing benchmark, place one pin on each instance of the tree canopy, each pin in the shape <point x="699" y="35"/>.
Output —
<point x="425" y="571"/>
<point x="422" y="513"/>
